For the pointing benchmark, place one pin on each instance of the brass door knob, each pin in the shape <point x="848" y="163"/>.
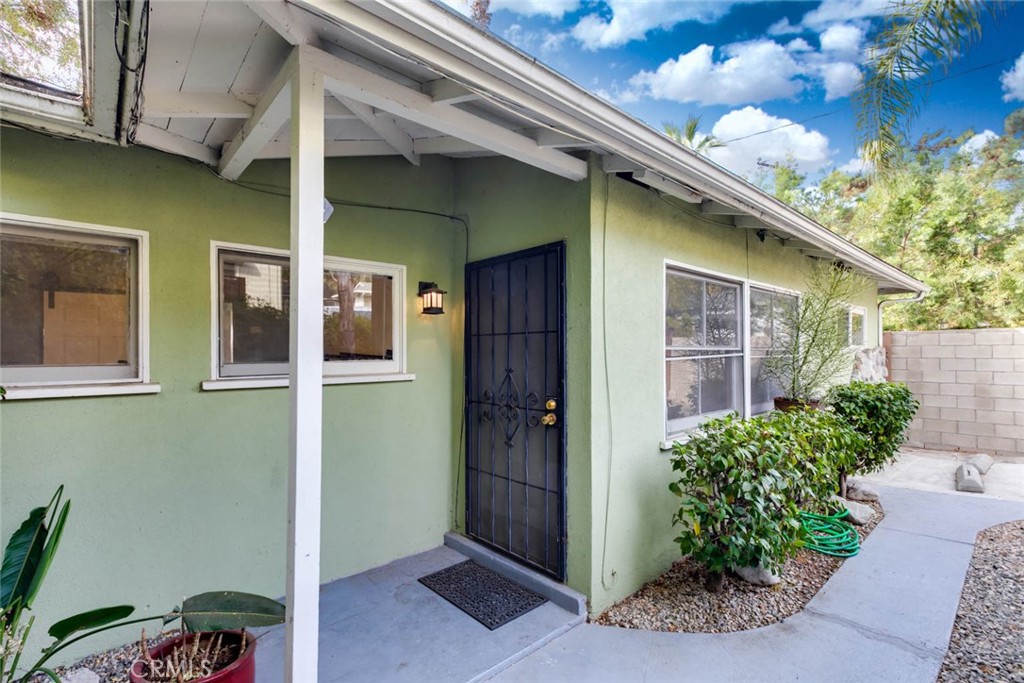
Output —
<point x="551" y="404"/>
<point x="549" y="419"/>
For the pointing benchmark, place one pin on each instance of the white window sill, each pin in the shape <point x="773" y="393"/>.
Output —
<point x="278" y="382"/>
<point x="24" y="393"/>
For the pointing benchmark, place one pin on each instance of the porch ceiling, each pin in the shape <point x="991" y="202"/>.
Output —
<point x="210" y="64"/>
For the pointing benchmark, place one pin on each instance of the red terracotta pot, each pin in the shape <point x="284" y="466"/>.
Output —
<point x="787" y="404"/>
<point x="242" y="670"/>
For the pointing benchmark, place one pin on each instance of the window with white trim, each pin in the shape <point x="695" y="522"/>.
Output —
<point x="856" y="326"/>
<point x="70" y="303"/>
<point x="766" y="327"/>
<point x="703" y="349"/>
<point x="363" y="312"/>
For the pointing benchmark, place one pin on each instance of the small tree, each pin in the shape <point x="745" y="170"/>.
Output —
<point x="879" y="412"/>
<point x="812" y="349"/>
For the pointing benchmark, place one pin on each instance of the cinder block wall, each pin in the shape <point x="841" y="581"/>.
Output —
<point x="970" y="384"/>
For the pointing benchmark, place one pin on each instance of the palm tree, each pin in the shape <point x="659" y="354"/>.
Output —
<point x="918" y="35"/>
<point x="687" y="136"/>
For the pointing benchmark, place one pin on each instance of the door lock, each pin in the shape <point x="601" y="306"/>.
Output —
<point x="549" y="419"/>
<point x="551" y="404"/>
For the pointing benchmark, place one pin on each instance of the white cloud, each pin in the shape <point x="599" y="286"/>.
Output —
<point x="1013" y="81"/>
<point x="832" y="11"/>
<point x="628" y="20"/>
<point x="552" y="42"/>
<point x="808" y="149"/>
<point x="842" y="41"/>
<point x="783" y="27"/>
<point x="840" y="79"/>
<point x="976" y="142"/>
<point x="798" y="45"/>
<point x="856" y="165"/>
<point x="752" y="72"/>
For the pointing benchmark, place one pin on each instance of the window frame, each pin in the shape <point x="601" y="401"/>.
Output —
<point x="334" y="372"/>
<point x="773" y="290"/>
<point x="745" y="285"/>
<point x="139" y="337"/>
<point x="50" y="102"/>
<point x="863" y="313"/>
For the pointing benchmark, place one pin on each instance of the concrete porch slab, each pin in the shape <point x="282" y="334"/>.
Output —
<point x="383" y="625"/>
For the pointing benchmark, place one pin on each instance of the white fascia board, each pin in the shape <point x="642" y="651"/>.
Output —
<point x="455" y="47"/>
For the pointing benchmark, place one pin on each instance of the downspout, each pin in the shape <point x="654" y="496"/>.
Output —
<point x="917" y="297"/>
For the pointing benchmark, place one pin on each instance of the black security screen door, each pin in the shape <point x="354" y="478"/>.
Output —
<point x="515" y="407"/>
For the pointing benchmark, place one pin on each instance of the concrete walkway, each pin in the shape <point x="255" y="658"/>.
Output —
<point x="885" y="616"/>
<point x="927" y="470"/>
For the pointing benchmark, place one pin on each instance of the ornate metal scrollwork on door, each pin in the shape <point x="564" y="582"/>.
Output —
<point x="506" y="406"/>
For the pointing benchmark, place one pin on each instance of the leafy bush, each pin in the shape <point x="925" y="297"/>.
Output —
<point x="879" y="412"/>
<point x="743" y="482"/>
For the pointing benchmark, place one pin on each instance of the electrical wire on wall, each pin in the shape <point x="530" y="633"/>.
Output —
<point x="607" y="380"/>
<point x="121" y="18"/>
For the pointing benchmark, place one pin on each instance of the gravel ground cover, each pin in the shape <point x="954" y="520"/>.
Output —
<point x="988" y="635"/>
<point x="110" y="665"/>
<point x="678" y="601"/>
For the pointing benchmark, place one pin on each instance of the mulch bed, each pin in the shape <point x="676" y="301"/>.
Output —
<point x="678" y="601"/>
<point x="988" y="635"/>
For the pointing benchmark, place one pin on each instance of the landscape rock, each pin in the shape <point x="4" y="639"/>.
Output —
<point x="857" y="489"/>
<point x="982" y="461"/>
<point x="968" y="479"/>
<point x="758" y="576"/>
<point x="860" y="514"/>
<point x="869" y="365"/>
<point x="81" y="676"/>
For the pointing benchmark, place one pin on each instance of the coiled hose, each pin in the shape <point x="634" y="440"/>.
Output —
<point x="830" y="535"/>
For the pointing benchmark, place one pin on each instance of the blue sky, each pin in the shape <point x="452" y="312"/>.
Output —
<point x="746" y="66"/>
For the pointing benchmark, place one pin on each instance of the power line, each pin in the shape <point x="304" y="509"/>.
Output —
<point x="920" y="86"/>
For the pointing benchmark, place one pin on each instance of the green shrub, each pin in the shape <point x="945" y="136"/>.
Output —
<point x="743" y="483"/>
<point x="879" y="412"/>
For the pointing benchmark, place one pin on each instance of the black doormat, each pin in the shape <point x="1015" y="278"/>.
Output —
<point x="485" y="595"/>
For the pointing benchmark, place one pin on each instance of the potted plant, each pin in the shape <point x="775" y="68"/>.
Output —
<point x="811" y="349"/>
<point x="26" y="560"/>
<point x="212" y="645"/>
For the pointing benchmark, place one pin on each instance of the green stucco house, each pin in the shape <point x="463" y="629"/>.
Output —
<point x="217" y="319"/>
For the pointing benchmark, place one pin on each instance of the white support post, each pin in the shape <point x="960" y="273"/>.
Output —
<point x="305" y="375"/>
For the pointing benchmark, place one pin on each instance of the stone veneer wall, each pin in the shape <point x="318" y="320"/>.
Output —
<point x="970" y="384"/>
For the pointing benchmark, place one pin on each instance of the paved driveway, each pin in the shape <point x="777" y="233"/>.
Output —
<point x="886" y="615"/>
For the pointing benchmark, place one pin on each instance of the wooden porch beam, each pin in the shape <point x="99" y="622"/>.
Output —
<point x="713" y="208"/>
<point x="284" y="20"/>
<point x="385" y="126"/>
<point x="351" y="81"/>
<point x="187" y="104"/>
<point x="268" y="116"/>
<point x="443" y="144"/>
<point x="447" y="91"/>
<point x="158" y="138"/>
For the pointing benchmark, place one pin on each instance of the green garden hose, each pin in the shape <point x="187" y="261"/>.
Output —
<point x="830" y="535"/>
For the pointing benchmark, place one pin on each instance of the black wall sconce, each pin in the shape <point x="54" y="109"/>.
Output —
<point x="432" y="297"/>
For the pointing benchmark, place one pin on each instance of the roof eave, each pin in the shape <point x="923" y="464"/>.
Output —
<point x="612" y="128"/>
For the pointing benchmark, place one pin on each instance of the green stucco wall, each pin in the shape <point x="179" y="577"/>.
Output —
<point x="185" y="491"/>
<point x="634" y="232"/>
<point x="513" y="207"/>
